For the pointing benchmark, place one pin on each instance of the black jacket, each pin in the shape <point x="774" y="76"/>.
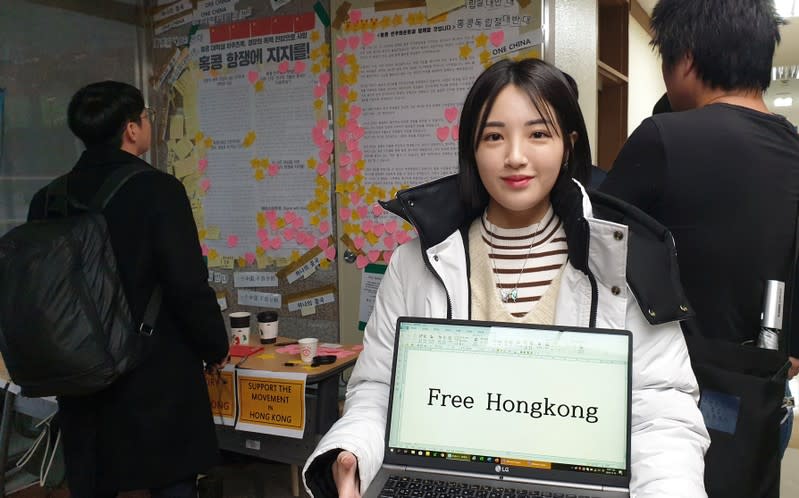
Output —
<point x="153" y="426"/>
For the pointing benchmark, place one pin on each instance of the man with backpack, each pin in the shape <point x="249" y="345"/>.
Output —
<point x="152" y="427"/>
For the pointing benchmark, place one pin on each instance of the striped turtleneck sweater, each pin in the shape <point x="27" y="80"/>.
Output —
<point x="515" y="269"/>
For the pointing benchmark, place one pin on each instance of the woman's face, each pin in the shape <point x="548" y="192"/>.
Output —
<point x="518" y="160"/>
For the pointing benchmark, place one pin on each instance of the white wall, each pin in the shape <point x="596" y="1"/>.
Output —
<point x="646" y="82"/>
<point x="573" y="31"/>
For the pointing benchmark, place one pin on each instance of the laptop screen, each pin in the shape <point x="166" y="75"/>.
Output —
<point x="511" y="396"/>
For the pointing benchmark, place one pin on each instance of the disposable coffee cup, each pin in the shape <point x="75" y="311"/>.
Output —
<point x="308" y="347"/>
<point x="267" y="326"/>
<point x="240" y="328"/>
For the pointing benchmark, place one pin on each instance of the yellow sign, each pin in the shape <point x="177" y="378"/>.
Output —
<point x="222" y="393"/>
<point x="271" y="403"/>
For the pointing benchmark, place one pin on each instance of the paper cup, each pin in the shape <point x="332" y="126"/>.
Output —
<point x="240" y="328"/>
<point x="267" y="326"/>
<point x="308" y="347"/>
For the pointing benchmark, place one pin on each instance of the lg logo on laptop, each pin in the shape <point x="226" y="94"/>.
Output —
<point x="501" y="470"/>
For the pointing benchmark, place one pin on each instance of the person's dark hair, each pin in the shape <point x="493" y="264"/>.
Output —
<point x="97" y="113"/>
<point x="551" y="95"/>
<point x="662" y="105"/>
<point x="731" y="41"/>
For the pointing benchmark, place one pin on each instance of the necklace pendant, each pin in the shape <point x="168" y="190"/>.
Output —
<point x="509" y="295"/>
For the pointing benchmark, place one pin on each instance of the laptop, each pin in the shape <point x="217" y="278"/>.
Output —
<point x="489" y="409"/>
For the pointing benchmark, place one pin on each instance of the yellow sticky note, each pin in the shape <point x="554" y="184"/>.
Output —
<point x="266" y="356"/>
<point x="307" y="310"/>
<point x="324" y="264"/>
<point x="281" y="262"/>
<point x="259" y="86"/>
<point x="295" y="255"/>
<point x="259" y="175"/>
<point x="176" y="127"/>
<point x="185" y="167"/>
<point x="249" y="139"/>
<point x="260" y="260"/>
<point x="183" y="148"/>
<point x="241" y="262"/>
<point x="208" y="142"/>
<point x="372" y="238"/>
<point x="199" y="217"/>
<point x="212" y="233"/>
<point x="228" y="262"/>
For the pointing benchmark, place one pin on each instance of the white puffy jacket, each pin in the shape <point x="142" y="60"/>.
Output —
<point x="669" y="438"/>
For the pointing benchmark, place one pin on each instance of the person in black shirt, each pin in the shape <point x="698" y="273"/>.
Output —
<point x="723" y="174"/>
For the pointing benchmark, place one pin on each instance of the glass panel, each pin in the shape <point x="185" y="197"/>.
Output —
<point x="46" y="55"/>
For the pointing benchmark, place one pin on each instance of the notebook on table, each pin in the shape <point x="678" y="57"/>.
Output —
<point x="489" y="409"/>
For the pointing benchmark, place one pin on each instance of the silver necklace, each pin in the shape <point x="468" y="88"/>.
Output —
<point x="508" y="295"/>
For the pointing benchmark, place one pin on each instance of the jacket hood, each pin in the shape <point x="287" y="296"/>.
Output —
<point x="435" y="210"/>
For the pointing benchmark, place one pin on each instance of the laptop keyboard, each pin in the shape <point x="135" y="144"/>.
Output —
<point x="401" y="486"/>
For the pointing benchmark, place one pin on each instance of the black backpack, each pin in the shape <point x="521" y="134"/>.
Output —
<point x="65" y="325"/>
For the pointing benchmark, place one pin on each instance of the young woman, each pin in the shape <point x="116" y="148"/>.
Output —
<point x="513" y="237"/>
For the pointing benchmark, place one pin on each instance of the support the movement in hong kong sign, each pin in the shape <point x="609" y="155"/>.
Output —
<point x="271" y="402"/>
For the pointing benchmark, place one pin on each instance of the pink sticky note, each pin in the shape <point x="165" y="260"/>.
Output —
<point x="273" y="169"/>
<point x="346" y="173"/>
<point x="202" y="165"/>
<point x="355" y="198"/>
<point x="204" y="249"/>
<point x="362" y="211"/>
<point x="387" y="255"/>
<point x="354" y="41"/>
<point x="330" y="253"/>
<point x="368" y="38"/>
<point x="271" y="215"/>
<point x="366" y="226"/>
<point x="497" y="37"/>
<point x="299" y="67"/>
<point x="343" y="91"/>
<point x="323" y="243"/>
<point x="275" y="243"/>
<point x="361" y="262"/>
<point x="389" y="241"/>
<point x="344" y="213"/>
<point x="262" y="235"/>
<point x="455" y="132"/>
<point x="298" y="222"/>
<point x="323" y="168"/>
<point x="250" y="257"/>
<point x="318" y="91"/>
<point x="355" y="16"/>
<point x="373" y="256"/>
<point x="289" y="233"/>
<point x="358" y="242"/>
<point x="352" y="145"/>
<point x="450" y="113"/>
<point x="341" y="44"/>
<point x="391" y="226"/>
<point x="324" y="78"/>
<point x="402" y="237"/>
<point x="265" y="243"/>
<point x="378" y="229"/>
<point x="377" y="209"/>
<point x="309" y="242"/>
<point x="289" y="216"/>
<point x="357" y="155"/>
<point x="283" y="67"/>
<point x="358" y="133"/>
<point x="341" y="60"/>
<point x="345" y="160"/>
<point x="324" y="227"/>
<point x="252" y="76"/>
<point x="442" y="133"/>
<point x="355" y="111"/>
<point x="205" y="184"/>
<point x="232" y="241"/>
<point x="352" y="125"/>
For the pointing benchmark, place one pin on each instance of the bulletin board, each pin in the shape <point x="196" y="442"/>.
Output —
<point x="247" y="128"/>
<point x="288" y="121"/>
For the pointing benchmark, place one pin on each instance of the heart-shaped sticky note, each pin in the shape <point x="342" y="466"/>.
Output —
<point x="330" y="253"/>
<point x="377" y="209"/>
<point x="252" y="76"/>
<point x="368" y="38"/>
<point x="374" y="256"/>
<point x="232" y="241"/>
<point x="283" y="67"/>
<point x="299" y="67"/>
<point x="354" y="41"/>
<point x="358" y="242"/>
<point x="497" y="37"/>
<point x="442" y="133"/>
<point x="456" y="131"/>
<point x="324" y="78"/>
<point x="341" y="44"/>
<point x="451" y="113"/>
<point x="324" y="226"/>
<point x="361" y="262"/>
<point x="355" y="16"/>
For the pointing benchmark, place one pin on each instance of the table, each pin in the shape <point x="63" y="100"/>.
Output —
<point x="321" y="409"/>
<point x="15" y="403"/>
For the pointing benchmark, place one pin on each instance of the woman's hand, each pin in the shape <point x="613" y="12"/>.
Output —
<point x="345" y="473"/>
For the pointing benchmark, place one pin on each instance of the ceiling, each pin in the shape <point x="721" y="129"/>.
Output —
<point x="787" y="54"/>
